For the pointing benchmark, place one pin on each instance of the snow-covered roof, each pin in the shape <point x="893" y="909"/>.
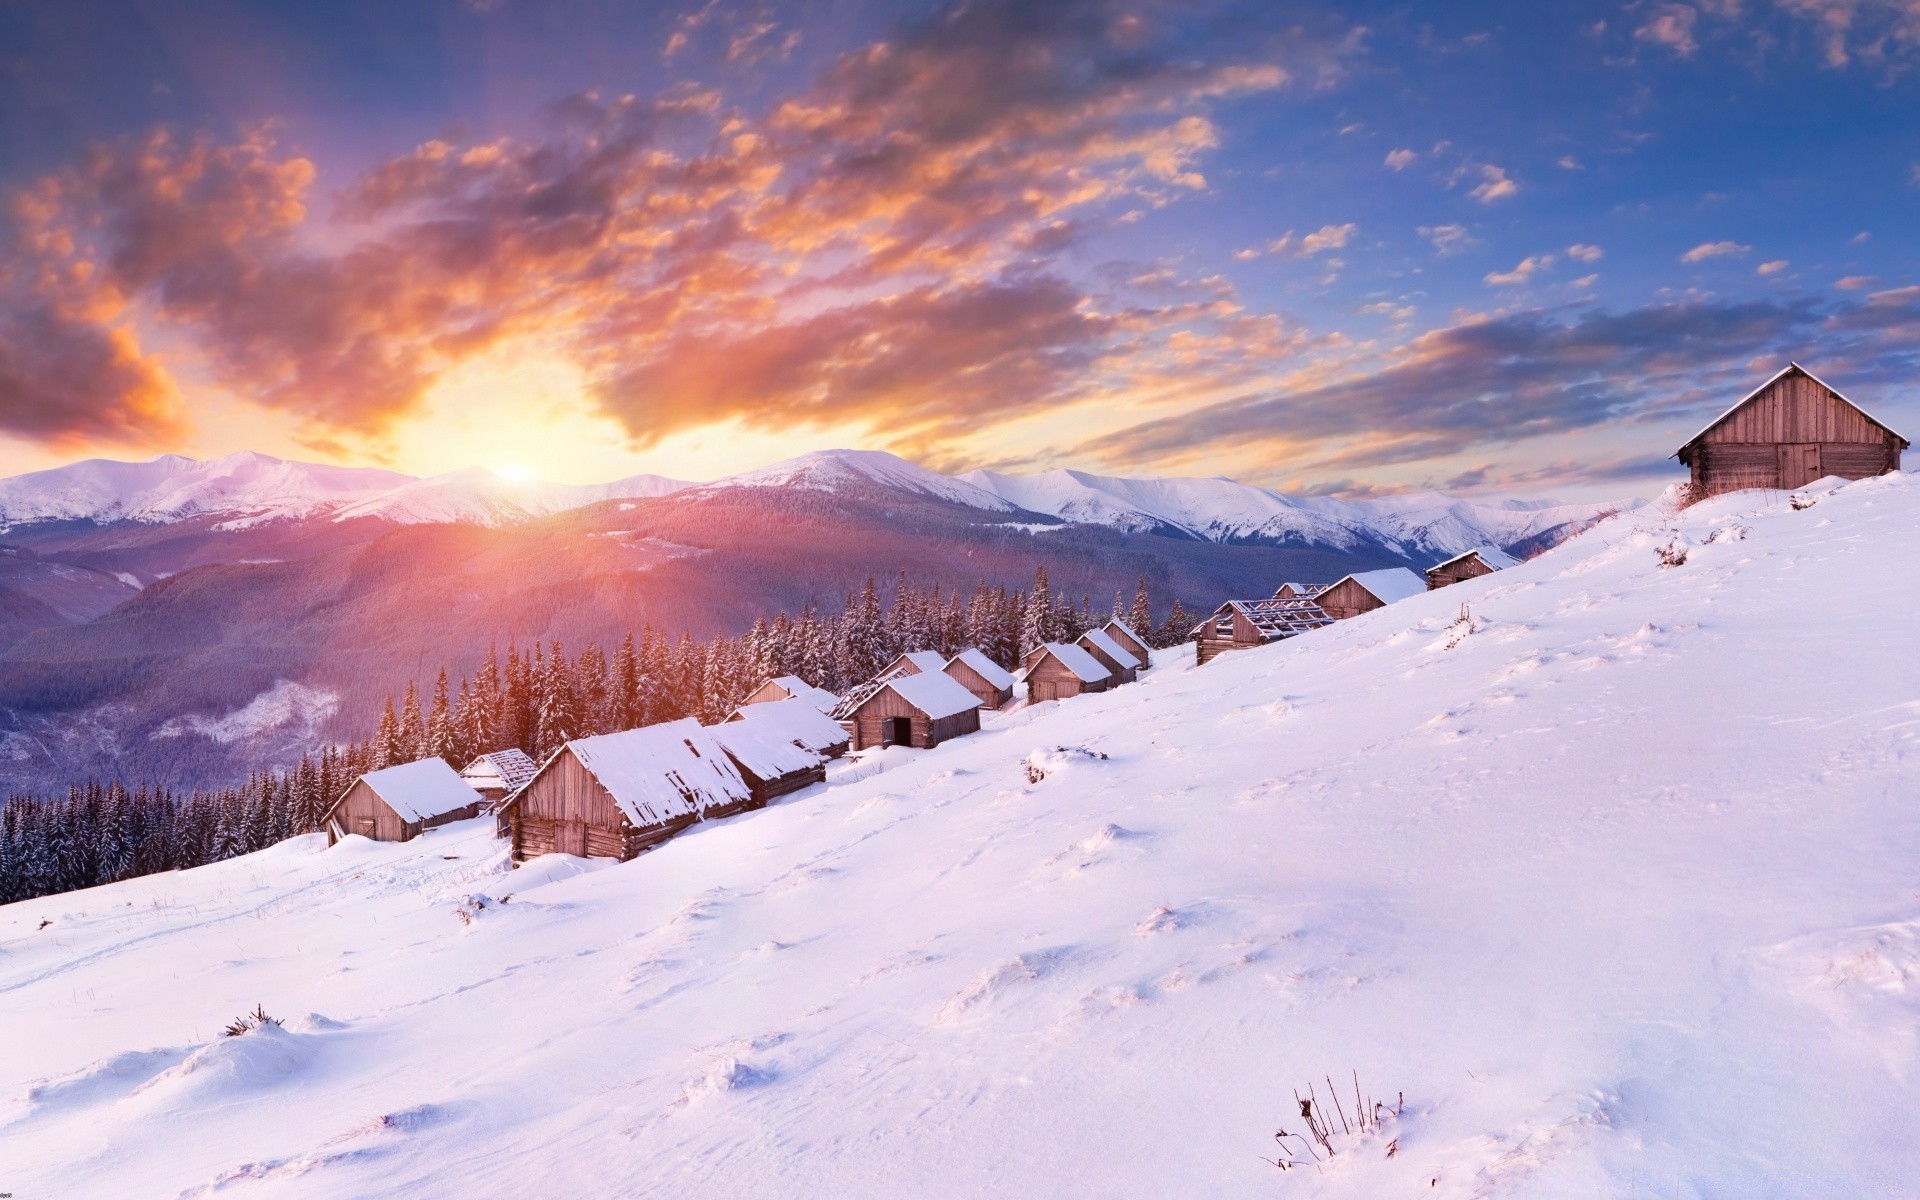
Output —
<point x="421" y="790"/>
<point x="1493" y="556"/>
<point x="506" y="769"/>
<point x="1115" y="623"/>
<point x="796" y="687"/>
<point x="1785" y="371"/>
<point x="929" y="661"/>
<point x="797" y="721"/>
<point x="763" y="748"/>
<point x="659" y="772"/>
<point x="1299" y="589"/>
<point x="987" y="669"/>
<point x="1073" y="658"/>
<point x="1113" y="649"/>
<point x="934" y="693"/>
<point x="1388" y="584"/>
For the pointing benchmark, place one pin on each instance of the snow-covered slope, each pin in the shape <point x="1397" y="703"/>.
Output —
<point x="834" y="470"/>
<point x="1616" y="883"/>
<point x="247" y="488"/>
<point x="1221" y="510"/>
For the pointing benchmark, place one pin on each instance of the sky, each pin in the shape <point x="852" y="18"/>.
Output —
<point x="1505" y="249"/>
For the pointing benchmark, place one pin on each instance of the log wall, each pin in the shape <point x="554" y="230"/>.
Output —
<point x="1348" y="599"/>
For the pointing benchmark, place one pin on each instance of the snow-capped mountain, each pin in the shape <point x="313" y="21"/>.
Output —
<point x="247" y="490"/>
<point x="1580" y="886"/>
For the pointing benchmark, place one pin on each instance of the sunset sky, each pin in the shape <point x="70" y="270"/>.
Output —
<point x="1516" y="248"/>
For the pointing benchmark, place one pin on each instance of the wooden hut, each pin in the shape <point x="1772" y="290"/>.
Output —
<point x="617" y="794"/>
<point x="1470" y="564"/>
<point x="914" y="662"/>
<point x="1367" y="590"/>
<point x="398" y="803"/>
<point x="1790" y="431"/>
<point x="798" y="721"/>
<point x="1058" y="671"/>
<point x="498" y="775"/>
<point x="1121" y="666"/>
<point x="991" y="683"/>
<point x="772" y="763"/>
<point x="1244" y="624"/>
<point x="1129" y="641"/>
<point x="792" y="687"/>
<point x="1291" y="590"/>
<point x="920" y="710"/>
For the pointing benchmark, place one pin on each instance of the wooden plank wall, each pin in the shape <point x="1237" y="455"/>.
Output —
<point x="1052" y="679"/>
<point x="363" y="812"/>
<point x="983" y="691"/>
<point x="1464" y="569"/>
<point x="1348" y="599"/>
<point x="1796" y="409"/>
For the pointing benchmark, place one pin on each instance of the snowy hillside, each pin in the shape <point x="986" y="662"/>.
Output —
<point x="1616" y="883"/>
<point x="245" y="490"/>
<point x="1220" y="510"/>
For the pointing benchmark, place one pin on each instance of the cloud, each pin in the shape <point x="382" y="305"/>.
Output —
<point x="1584" y="282"/>
<point x="1525" y="270"/>
<point x="1875" y="31"/>
<point x="681" y="251"/>
<point x="1707" y="250"/>
<point x="1856" y="283"/>
<point x="1447" y="239"/>
<point x="1568" y="162"/>
<point x="1494" y="185"/>
<point x="1327" y="237"/>
<point x="1400" y="160"/>
<point x="1581" y="252"/>
<point x="1771" y="267"/>
<point x="1670" y="25"/>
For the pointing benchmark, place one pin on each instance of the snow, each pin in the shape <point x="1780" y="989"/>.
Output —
<point x="838" y="470"/>
<point x="507" y="770"/>
<point x="1388" y="585"/>
<point x="1113" y="649"/>
<point x="996" y="675"/>
<point x="421" y="790"/>
<point x="655" y="774"/>
<point x="764" y="748"/>
<point x="797" y="687"/>
<point x="935" y="693"/>
<point x="796" y="720"/>
<point x="298" y="707"/>
<point x="1492" y="556"/>
<point x="1616" y="885"/>
<point x="1075" y="659"/>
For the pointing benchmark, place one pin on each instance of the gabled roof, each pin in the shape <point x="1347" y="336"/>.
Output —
<point x="797" y="721"/>
<point x="1387" y="584"/>
<point x="930" y="661"/>
<point x="507" y="769"/>
<point x="934" y="693"/>
<point x="1073" y="658"/>
<point x="1493" y="556"/>
<point x="996" y="675"/>
<point x="1300" y="590"/>
<point x="422" y="790"/>
<point x="763" y="748"/>
<point x="1789" y="369"/>
<point x="1275" y="619"/>
<point x="1115" y="623"/>
<point x="1112" y="649"/>
<point x="798" y="688"/>
<point x="660" y="772"/>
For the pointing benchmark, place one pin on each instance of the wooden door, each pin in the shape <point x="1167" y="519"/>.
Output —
<point x="570" y="837"/>
<point x="1799" y="464"/>
<point x="900" y="731"/>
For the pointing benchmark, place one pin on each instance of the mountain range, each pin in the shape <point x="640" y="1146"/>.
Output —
<point x="182" y="621"/>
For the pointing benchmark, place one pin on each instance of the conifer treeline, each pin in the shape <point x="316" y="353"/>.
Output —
<point x="535" y="700"/>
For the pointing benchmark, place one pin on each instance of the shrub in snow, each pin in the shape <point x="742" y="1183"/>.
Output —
<point x="1329" y="1129"/>
<point x="1042" y="763"/>
<point x="1673" y="554"/>
<point x="248" y="1022"/>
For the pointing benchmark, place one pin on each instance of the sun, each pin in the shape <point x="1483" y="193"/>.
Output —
<point x="514" y="472"/>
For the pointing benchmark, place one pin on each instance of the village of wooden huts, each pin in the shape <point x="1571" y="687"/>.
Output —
<point x="1786" y="433"/>
<point x="1060" y="671"/>
<point x="397" y="803"/>
<point x="991" y="683"/>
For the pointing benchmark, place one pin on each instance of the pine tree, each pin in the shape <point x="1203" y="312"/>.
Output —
<point x="1140" y="616"/>
<point x="413" y="729"/>
<point x="443" y="739"/>
<point x="386" y="745"/>
<point x="1037" y="622"/>
<point x="1178" y="627"/>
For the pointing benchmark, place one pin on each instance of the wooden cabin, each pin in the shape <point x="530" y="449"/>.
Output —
<point x="1244" y="624"/>
<point x="1481" y="560"/>
<point x="1291" y="590"/>
<point x="791" y="687"/>
<point x="772" y="763"/>
<point x="914" y="662"/>
<point x="1790" y="431"/>
<point x="801" y="722"/>
<point x="1059" y="671"/>
<point x="1367" y="590"/>
<point x="399" y="803"/>
<point x="990" y="683"/>
<point x="498" y="775"/>
<point x="1121" y="666"/>
<point x="1129" y="641"/>
<point x="618" y="794"/>
<point x="920" y="710"/>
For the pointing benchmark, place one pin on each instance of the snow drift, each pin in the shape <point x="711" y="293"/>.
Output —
<point x="1612" y="875"/>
